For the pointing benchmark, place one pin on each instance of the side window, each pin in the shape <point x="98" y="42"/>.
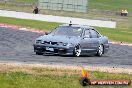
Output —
<point x="87" y="33"/>
<point x="93" y="34"/>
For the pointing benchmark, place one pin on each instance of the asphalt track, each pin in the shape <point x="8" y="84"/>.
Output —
<point x="16" y="46"/>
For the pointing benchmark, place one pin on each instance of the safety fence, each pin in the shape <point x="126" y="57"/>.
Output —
<point x="66" y="5"/>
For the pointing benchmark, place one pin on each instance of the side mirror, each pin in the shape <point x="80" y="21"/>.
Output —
<point x="86" y="37"/>
<point x="46" y="33"/>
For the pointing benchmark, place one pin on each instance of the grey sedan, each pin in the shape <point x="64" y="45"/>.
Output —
<point x="69" y="39"/>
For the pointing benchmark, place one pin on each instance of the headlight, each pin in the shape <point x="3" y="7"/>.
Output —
<point x="42" y="42"/>
<point x="67" y="44"/>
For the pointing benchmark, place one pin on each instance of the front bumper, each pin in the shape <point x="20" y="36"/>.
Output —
<point x="60" y="50"/>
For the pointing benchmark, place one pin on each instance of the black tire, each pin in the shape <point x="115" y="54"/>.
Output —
<point x="38" y="53"/>
<point x="77" y="51"/>
<point x="100" y="50"/>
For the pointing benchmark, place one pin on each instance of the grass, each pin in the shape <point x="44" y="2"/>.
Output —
<point x="26" y="1"/>
<point x="38" y="77"/>
<point x="114" y="5"/>
<point x="118" y="34"/>
<point x="29" y="23"/>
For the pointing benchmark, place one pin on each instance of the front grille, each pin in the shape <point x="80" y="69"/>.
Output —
<point x="50" y="43"/>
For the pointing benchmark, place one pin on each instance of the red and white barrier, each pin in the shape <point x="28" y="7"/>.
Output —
<point x="121" y="43"/>
<point x="21" y="28"/>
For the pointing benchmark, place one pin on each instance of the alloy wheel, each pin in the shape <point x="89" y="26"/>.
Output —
<point x="77" y="51"/>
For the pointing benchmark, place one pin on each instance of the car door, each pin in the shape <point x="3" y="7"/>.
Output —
<point x="86" y="42"/>
<point x="95" y="39"/>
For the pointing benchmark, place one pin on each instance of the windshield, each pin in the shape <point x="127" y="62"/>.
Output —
<point x="68" y="31"/>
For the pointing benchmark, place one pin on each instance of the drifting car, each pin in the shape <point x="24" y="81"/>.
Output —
<point x="71" y="39"/>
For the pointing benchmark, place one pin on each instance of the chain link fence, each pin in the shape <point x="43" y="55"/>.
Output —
<point x="66" y="5"/>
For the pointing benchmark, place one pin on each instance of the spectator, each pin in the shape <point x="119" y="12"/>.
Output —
<point x="35" y="11"/>
<point x="125" y="12"/>
<point x="122" y="12"/>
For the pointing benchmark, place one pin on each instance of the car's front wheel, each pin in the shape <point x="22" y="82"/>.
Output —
<point x="77" y="51"/>
<point x="100" y="51"/>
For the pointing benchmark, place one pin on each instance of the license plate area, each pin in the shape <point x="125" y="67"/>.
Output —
<point x="49" y="49"/>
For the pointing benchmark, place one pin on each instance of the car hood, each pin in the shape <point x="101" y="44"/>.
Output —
<point x="59" y="38"/>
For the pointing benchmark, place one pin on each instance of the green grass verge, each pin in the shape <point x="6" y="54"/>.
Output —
<point x="54" y="80"/>
<point x="26" y="1"/>
<point x="115" y="5"/>
<point x="29" y="23"/>
<point x="118" y="34"/>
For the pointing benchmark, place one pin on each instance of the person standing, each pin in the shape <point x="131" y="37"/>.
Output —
<point x="122" y="12"/>
<point x="36" y="10"/>
<point x="125" y="12"/>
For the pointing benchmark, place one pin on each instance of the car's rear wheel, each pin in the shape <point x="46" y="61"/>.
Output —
<point x="77" y="51"/>
<point x="38" y="53"/>
<point x="100" y="50"/>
